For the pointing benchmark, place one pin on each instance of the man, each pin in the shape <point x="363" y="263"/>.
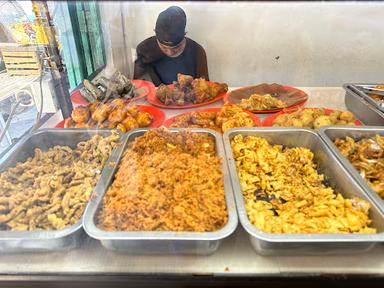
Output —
<point x="163" y="56"/>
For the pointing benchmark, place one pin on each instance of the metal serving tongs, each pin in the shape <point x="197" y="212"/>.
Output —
<point x="372" y="90"/>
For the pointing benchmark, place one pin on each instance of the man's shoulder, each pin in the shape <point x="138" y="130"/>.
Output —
<point x="149" y="42"/>
<point x="194" y="43"/>
<point x="148" y="51"/>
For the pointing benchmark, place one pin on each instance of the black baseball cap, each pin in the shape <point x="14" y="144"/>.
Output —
<point x="170" y="26"/>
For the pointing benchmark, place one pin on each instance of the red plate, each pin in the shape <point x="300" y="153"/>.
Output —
<point x="290" y="95"/>
<point x="144" y="88"/>
<point x="168" y="122"/>
<point x="157" y="114"/>
<point x="156" y="102"/>
<point x="269" y="120"/>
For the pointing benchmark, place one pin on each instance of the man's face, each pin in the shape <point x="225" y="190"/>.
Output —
<point x="172" y="51"/>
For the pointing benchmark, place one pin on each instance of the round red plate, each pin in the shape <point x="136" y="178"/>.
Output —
<point x="168" y="122"/>
<point x="293" y="96"/>
<point x="157" y="114"/>
<point x="269" y="120"/>
<point x="145" y="88"/>
<point x="156" y="102"/>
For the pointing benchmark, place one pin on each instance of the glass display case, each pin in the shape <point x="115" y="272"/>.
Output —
<point x="191" y="143"/>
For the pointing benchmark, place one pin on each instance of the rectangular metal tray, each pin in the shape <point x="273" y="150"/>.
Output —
<point x="159" y="242"/>
<point x="53" y="240"/>
<point x="358" y="105"/>
<point x="330" y="133"/>
<point x="340" y="180"/>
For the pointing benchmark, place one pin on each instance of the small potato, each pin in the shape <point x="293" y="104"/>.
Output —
<point x="307" y="120"/>
<point x="347" y="116"/>
<point x="130" y="123"/>
<point x="322" y="121"/>
<point x="334" y="116"/>
<point x="297" y="123"/>
<point x="341" y="122"/>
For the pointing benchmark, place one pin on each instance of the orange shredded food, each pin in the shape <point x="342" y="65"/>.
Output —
<point x="166" y="182"/>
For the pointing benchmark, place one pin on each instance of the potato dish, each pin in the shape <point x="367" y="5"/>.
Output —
<point x="115" y="114"/>
<point x="314" y="118"/>
<point x="367" y="156"/>
<point x="262" y="102"/>
<point x="229" y="116"/>
<point x="284" y="193"/>
<point x="166" y="182"/>
<point x="50" y="190"/>
<point x="189" y="91"/>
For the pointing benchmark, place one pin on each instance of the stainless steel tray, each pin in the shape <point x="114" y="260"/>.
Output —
<point x="330" y="133"/>
<point x="44" y="241"/>
<point x="159" y="242"/>
<point x="288" y="244"/>
<point x="367" y="112"/>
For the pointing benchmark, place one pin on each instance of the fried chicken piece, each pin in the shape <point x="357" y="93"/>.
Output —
<point x="101" y="113"/>
<point x="117" y="115"/>
<point x="217" y="88"/>
<point x="69" y="123"/>
<point x="108" y="124"/>
<point x="133" y="111"/>
<point x="118" y="103"/>
<point x="144" y="119"/>
<point x="130" y="123"/>
<point x="201" y="90"/>
<point x="163" y="92"/>
<point x="81" y="125"/>
<point x="93" y="106"/>
<point x="184" y="81"/>
<point x="80" y="114"/>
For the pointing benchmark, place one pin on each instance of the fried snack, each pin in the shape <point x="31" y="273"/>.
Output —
<point x="262" y="102"/>
<point x="101" y="113"/>
<point x="80" y="114"/>
<point x="367" y="156"/>
<point x="184" y="81"/>
<point x="230" y="116"/>
<point x="50" y="190"/>
<point x="166" y="182"/>
<point x="115" y="114"/>
<point x="314" y="118"/>
<point x="284" y="193"/>
<point x="188" y="90"/>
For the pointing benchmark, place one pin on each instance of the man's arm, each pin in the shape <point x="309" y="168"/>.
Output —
<point x="147" y="52"/>
<point x="201" y="63"/>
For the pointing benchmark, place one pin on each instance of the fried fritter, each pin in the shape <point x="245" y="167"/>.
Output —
<point x="80" y="114"/>
<point x="115" y="114"/>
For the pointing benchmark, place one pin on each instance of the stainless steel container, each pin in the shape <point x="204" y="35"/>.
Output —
<point x="367" y="112"/>
<point x="339" y="179"/>
<point x="159" y="242"/>
<point x="330" y="133"/>
<point x="44" y="241"/>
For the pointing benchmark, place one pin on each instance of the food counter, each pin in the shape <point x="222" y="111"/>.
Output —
<point x="235" y="257"/>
